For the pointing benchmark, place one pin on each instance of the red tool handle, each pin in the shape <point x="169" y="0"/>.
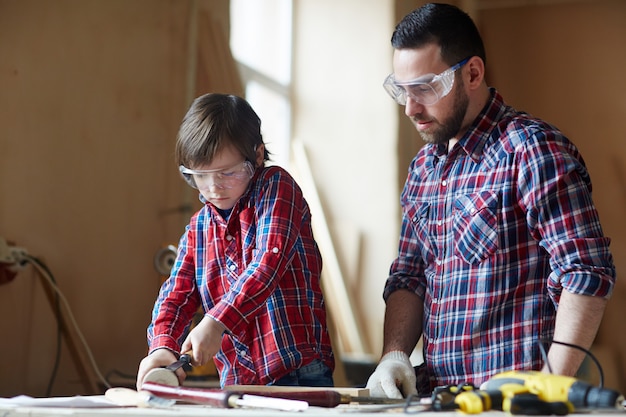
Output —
<point x="213" y="397"/>
<point x="222" y="399"/>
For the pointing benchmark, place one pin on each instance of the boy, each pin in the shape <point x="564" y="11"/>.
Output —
<point x="248" y="257"/>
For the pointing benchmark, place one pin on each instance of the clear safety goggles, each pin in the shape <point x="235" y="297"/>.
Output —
<point x="202" y="179"/>
<point x="427" y="89"/>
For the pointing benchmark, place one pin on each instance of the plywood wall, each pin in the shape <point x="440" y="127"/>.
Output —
<point x="563" y="61"/>
<point x="92" y="94"/>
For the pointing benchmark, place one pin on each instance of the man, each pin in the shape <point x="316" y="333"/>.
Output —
<point x="501" y="248"/>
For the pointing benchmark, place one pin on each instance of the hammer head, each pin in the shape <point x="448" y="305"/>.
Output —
<point x="167" y="375"/>
<point x="162" y="376"/>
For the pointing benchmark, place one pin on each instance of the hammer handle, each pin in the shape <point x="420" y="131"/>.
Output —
<point x="212" y="397"/>
<point x="183" y="361"/>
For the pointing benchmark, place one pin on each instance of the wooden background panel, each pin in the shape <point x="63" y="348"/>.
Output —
<point x="92" y="96"/>
<point x="563" y="61"/>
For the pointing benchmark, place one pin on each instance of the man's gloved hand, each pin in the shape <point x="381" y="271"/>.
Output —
<point x="393" y="377"/>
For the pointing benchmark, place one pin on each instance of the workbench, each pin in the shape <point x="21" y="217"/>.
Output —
<point x="188" y="410"/>
<point x="194" y="411"/>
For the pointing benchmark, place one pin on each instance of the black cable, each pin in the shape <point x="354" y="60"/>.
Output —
<point x="413" y="400"/>
<point x="45" y="273"/>
<point x="57" y="307"/>
<point x="595" y="360"/>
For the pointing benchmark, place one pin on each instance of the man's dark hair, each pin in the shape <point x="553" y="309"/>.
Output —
<point x="444" y="24"/>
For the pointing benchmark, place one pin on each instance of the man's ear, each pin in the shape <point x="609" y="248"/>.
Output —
<point x="476" y="70"/>
<point x="260" y="154"/>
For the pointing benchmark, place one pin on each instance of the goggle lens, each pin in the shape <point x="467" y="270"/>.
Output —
<point x="220" y="178"/>
<point x="422" y="91"/>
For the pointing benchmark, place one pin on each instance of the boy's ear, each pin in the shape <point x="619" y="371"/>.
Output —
<point x="260" y="154"/>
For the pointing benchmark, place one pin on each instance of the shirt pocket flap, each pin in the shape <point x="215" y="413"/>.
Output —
<point x="476" y="226"/>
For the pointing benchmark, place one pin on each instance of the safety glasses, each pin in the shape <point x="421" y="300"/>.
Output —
<point x="427" y="89"/>
<point x="203" y="179"/>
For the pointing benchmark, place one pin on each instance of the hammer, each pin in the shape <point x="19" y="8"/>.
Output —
<point x="167" y="375"/>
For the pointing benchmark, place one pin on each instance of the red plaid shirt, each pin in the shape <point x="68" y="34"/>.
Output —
<point x="492" y="232"/>
<point x="258" y="274"/>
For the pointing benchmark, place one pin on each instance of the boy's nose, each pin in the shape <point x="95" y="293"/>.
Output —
<point x="215" y="186"/>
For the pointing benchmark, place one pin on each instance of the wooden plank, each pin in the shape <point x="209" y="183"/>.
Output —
<point x="339" y="303"/>
<point x="353" y="392"/>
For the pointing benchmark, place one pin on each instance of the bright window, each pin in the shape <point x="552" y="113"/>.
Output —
<point x="260" y="40"/>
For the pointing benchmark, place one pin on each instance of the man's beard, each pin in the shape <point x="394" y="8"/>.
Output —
<point x="450" y="126"/>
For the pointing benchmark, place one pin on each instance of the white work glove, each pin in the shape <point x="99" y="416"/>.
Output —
<point x="393" y="377"/>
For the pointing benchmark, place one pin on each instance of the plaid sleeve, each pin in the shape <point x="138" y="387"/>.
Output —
<point x="178" y="298"/>
<point x="556" y="191"/>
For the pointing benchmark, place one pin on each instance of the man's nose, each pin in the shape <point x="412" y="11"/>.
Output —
<point x="412" y="107"/>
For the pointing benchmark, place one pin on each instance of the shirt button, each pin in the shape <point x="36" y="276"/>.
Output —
<point x="232" y="267"/>
<point x="444" y="183"/>
<point x="438" y="261"/>
<point x="473" y="210"/>
<point x="274" y="250"/>
<point x="229" y="237"/>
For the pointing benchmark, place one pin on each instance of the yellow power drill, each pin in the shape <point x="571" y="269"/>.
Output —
<point x="512" y="398"/>
<point x="524" y="391"/>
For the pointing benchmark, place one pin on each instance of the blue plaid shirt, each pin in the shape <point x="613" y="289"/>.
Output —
<point x="492" y="232"/>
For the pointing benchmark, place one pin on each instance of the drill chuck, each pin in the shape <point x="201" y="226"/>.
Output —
<point x="583" y="395"/>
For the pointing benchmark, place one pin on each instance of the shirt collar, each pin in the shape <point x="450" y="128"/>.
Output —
<point x="477" y="136"/>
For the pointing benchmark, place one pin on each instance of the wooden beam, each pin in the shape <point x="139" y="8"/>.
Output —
<point x="340" y="305"/>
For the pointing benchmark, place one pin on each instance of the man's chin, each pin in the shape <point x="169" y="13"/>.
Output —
<point x="431" y="139"/>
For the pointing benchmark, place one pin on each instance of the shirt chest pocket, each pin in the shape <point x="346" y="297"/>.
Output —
<point x="476" y="226"/>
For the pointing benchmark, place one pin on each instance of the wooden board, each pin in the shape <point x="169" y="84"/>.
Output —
<point x="353" y="392"/>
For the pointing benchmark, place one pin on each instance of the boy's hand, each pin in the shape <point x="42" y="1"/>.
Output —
<point x="204" y="340"/>
<point x="157" y="359"/>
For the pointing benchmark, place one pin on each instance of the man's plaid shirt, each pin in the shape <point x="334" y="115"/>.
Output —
<point x="492" y="232"/>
